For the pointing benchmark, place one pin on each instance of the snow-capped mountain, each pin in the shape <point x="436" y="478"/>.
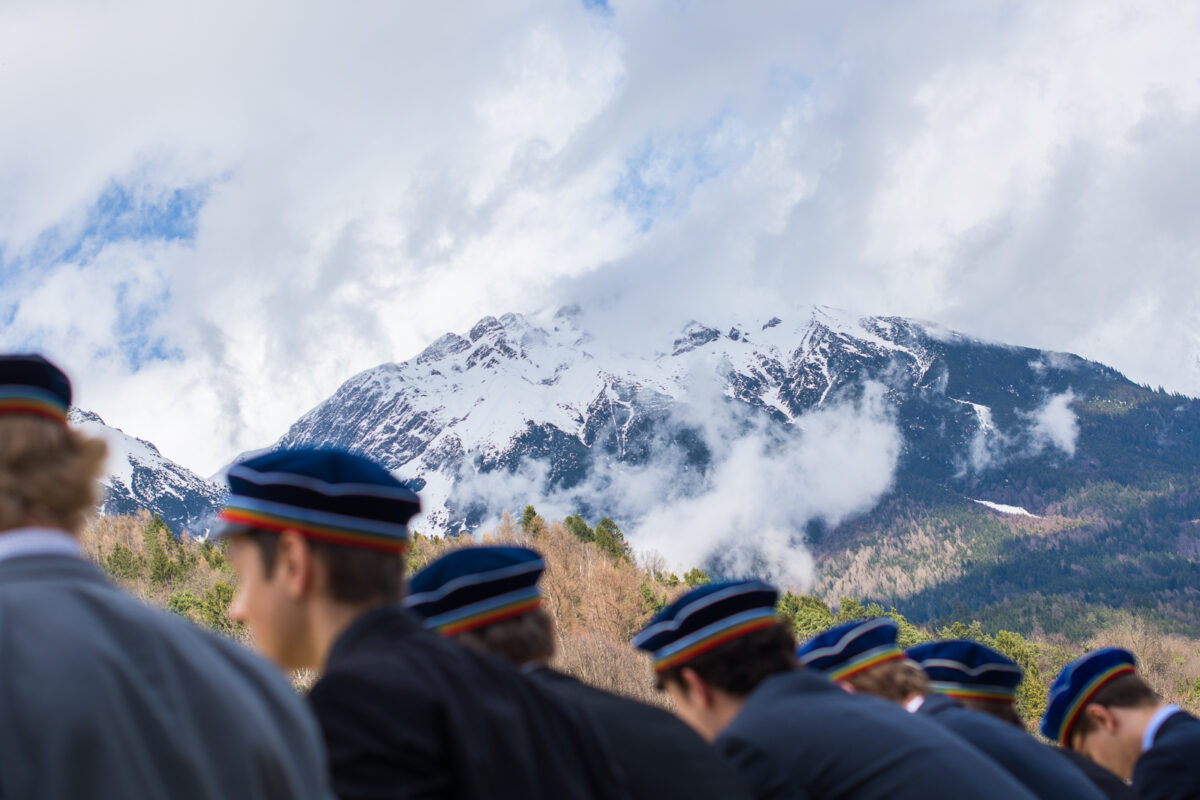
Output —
<point x="139" y="477"/>
<point x="520" y="409"/>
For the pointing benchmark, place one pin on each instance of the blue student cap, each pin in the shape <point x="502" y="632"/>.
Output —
<point x="476" y="586"/>
<point x="968" y="670"/>
<point x="32" y="386"/>
<point x="324" y="495"/>
<point x="1078" y="684"/>
<point x="846" y="650"/>
<point x="705" y="618"/>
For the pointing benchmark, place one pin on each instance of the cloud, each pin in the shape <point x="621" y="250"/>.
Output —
<point x="1056" y="425"/>
<point x="1053" y="425"/>
<point x="213" y="215"/>
<point x="744" y="511"/>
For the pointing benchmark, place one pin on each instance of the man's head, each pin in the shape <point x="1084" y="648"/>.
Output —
<point x="487" y="598"/>
<point x="1099" y="706"/>
<point x="975" y="675"/>
<point x="48" y="471"/>
<point x="713" y="646"/>
<point x="313" y="535"/>
<point x="864" y="657"/>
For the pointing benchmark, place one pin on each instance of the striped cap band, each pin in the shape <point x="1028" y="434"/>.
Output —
<point x="332" y="528"/>
<point x="865" y="661"/>
<point x="687" y="648"/>
<point x="996" y="694"/>
<point x="32" y="401"/>
<point x="488" y="612"/>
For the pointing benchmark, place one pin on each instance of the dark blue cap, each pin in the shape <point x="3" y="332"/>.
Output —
<point x="326" y="495"/>
<point x="476" y="586"/>
<point x="968" y="670"/>
<point x="1078" y="684"/>
<point x="32" y="386"/>
<point x="705" y="618"/>
<point x="843" y="652"/>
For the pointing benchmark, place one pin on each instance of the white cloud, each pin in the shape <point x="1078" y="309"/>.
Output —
<point x="1056" y="425"/>
<point x="378" y="173"/>
<point x="747" y="512"/>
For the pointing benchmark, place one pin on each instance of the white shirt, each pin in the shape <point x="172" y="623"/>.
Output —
<point x="1155" y="723"/>
<point x="914" y="705"/>
<point x="20" y="542"/>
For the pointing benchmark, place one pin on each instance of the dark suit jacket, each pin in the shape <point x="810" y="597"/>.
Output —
<point x="408" y="714"/>
<point x="1170" y="769"/>
<point x="1043" y="771"/>
<point x="660" y="756"/>
<point x="104" y="697"/>
<point x="1109" y="784"/>
<point x="800" y="736"/>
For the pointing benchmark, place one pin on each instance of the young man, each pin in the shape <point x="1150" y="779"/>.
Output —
<point x="104" y="697"/>
<point x="864" y="657"/>
<point x="985" y="680"/>
<point x="1100" y="707"/>
<point x="728" y="663"/>
<point x="317" y="538"/>
<point x="488" y="598"/>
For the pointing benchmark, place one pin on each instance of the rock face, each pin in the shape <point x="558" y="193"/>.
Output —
<point x="139" y="477"/>
<point x="524" y="396"/>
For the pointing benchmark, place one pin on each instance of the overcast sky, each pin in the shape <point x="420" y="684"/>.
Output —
<point x="214" y="213"/>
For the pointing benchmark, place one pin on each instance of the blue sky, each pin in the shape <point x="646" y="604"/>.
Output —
<point x="219" y="214"/>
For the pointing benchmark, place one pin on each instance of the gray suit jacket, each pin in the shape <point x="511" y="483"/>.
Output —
<point x="104" y="697"/>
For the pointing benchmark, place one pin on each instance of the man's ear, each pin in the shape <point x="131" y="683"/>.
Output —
<point x="696" y="688"/>
<point x="294" y="564"/>
<point x="1101" y="717"/>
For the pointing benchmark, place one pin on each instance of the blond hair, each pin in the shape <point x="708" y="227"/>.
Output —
<point x="893" y="680"/>
<point x="48" y="474"/>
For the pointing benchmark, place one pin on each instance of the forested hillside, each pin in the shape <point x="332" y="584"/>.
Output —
<point x="599" y="596"/>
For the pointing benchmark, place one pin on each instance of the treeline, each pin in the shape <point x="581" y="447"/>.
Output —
<point x="600" y="595"/>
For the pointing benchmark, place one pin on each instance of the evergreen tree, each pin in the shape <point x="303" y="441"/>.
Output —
<point x="527" y="519"/>
<point x="610" y="540"/>
<point x="576" y="525"/>
<point x="809" y="615"/>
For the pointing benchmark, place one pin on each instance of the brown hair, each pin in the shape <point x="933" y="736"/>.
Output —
<point x="738" y="666"/>
<point x="48" y="474"/>
<point x="1126" y="691"/>
<point x="895" y="680"/>
<point x="522" y="639"/>
<point x="356" y="574"/>
<point x="1001" y="710"/>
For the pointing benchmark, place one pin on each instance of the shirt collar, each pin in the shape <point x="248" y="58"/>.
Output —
<point x="1155" y="723"/>
<point x="914" y="705"/>
<point x="37" y="542"/>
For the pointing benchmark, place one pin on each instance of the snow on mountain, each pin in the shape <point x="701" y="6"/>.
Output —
<point x="1005" y="509"/>
<point x="534" y="409"/>
<point x="139" y="477"/>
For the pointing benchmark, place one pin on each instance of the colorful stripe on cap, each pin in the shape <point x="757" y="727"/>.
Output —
<point x="32" y="386"/>
<point x="475" y="587"/>
<point x="325" y="495"/>
<point x="32" y="401"/>
<point x="967" y="670"/>
<point x="845" y="651"/>
<point x="706" y="618"/>
<point x="1077" y="685"/>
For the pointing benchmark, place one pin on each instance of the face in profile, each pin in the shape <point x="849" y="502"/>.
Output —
<point x="1111" y="742"/>
<point x="270" y="603"/>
